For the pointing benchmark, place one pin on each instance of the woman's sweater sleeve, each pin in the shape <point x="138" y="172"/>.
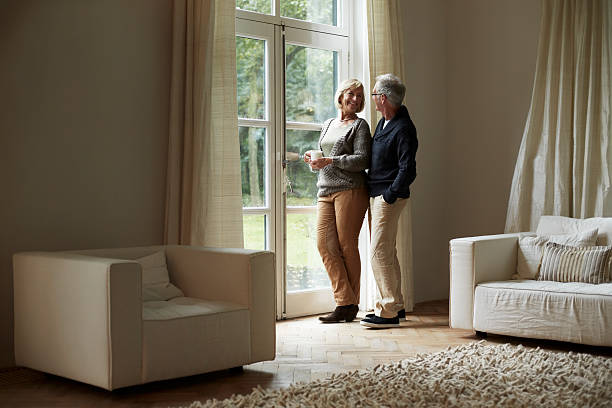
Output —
<point x="362" y="147"/>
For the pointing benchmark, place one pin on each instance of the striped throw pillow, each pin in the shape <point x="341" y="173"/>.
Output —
<point x="564" y="263"/>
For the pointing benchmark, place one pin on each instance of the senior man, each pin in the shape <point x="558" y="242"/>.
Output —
<point x="392" y="170"/>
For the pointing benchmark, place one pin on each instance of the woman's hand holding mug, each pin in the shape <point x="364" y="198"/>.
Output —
<point x="316" y="160"/>
<point x="307" y="157"/>
<point x="316" y="154"/>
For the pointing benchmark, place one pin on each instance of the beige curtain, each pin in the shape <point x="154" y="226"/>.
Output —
<point x="564" y="162"/>
<point x="204" y="197"/>
<point x="386" y="56"/>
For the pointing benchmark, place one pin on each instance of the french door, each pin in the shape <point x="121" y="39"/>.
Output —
<point x="287" y="77"/>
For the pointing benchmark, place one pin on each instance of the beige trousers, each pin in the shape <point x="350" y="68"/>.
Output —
<point x="383" y="219"/>
<point x="339" y="219"/>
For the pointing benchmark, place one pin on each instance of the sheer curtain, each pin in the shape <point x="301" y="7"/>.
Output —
<point x="204" y="196"/>
<point x="564" y="162"/>
<point x="386" y="56"/>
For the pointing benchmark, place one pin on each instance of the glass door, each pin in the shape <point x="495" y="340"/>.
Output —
<point x="314" y="64"/>
<point x="286" y="80"/>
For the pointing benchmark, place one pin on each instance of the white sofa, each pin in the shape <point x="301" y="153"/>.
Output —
<point x="484" y="296"/>
<point x="81" y="314"/>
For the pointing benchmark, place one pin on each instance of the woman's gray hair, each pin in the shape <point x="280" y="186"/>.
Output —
<point x="392" y="87"/>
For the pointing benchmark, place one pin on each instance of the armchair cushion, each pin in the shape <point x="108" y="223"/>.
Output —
<point x="155" y="280"/>
<point x="181" y="307"/>
<point x="183" y="334"/>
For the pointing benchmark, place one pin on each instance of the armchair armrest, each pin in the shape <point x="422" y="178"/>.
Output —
<point x="242" y="276"/>
<point x="474" y="260"/>
<point x="79" y="317"/>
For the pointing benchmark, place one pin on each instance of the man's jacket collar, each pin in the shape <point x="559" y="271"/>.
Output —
<point x="402" y="112"/>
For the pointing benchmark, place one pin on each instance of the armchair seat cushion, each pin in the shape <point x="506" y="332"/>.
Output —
<point x="572" y="311"/>
<point x="183" y="307"/>
<point x="186" y="336"/>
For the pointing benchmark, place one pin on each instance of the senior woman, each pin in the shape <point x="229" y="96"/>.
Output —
<point x="342" y="197"/>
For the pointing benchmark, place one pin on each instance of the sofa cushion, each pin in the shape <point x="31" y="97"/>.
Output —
<point x="155" y="280"/>
<point x="556" y="224"/>
<point x="531" y="247"/>
<point x="563" y="263"/>
<point x="604" y="289"/>
<point x="577" y="312"/>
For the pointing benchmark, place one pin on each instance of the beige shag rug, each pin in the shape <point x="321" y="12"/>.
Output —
<point x="471" y="375"/>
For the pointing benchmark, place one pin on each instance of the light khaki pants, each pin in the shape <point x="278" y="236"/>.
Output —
<point x="339" y="219"/>
<point x="383" y="218"/>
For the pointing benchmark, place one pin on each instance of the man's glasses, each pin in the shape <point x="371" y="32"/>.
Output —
<point x="374" y="94"/>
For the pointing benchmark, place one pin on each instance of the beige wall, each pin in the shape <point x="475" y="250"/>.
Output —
<point x="469" y="72"/>
<point x="426" y="79"/>
<point x="83" y="125"/>
<point x="83" y="128"/>
<point x="492" y="52"/>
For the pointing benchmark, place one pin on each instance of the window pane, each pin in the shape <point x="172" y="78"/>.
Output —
<point x="314" y="11"/>
<point x="250" y="67"/>
<point x="254" y="231"/>
<point x="304" y="266"/>
<point x="311" y="80"/>
<point x="252" y="165"/>
<point x="302" y="188"/>
<point x="260" y="6"/>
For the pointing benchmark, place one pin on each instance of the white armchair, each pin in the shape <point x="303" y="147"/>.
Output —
<point x="81" y="314"/>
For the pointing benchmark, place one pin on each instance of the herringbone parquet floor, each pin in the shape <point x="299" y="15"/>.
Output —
<point x="306" y="350"/>
<point x="309" y="350"/>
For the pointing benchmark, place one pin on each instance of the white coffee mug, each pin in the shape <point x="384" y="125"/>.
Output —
<point x="316" y="154"/>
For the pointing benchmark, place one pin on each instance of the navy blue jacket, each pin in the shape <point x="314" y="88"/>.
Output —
<point x="393" y="159"/>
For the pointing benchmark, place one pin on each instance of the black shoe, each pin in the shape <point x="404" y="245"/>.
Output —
<point x="400" y="315"/>
<point x="345" y="313"/>
<point x="377" y="322"/>
<point x="351" y="314"/>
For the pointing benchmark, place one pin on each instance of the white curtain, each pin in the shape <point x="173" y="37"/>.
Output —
<point x="565" y="159"/>
<point x="204" y="197"/>
<point x="385" y="53"/>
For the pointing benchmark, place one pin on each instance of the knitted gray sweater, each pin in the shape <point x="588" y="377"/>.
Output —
<point x="350" y="158"/>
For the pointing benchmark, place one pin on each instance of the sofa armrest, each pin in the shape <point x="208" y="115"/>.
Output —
<point x="78" y="317"/>
<point x="474" y="260"/>
<point x="241" y="276"/>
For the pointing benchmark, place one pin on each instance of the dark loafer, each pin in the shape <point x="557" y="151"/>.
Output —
<point x="345" y="313"/>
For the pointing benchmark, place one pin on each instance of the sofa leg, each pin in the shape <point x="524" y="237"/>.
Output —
<point x="481" y="335"/>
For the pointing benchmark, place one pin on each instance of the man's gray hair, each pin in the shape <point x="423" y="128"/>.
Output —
<point x="391" y="86"/>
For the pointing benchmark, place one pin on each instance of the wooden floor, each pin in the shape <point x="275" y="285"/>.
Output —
<point x="306" y="350"/>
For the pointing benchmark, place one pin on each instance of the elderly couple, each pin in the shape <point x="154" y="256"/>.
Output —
<point x="346" y="192"/>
